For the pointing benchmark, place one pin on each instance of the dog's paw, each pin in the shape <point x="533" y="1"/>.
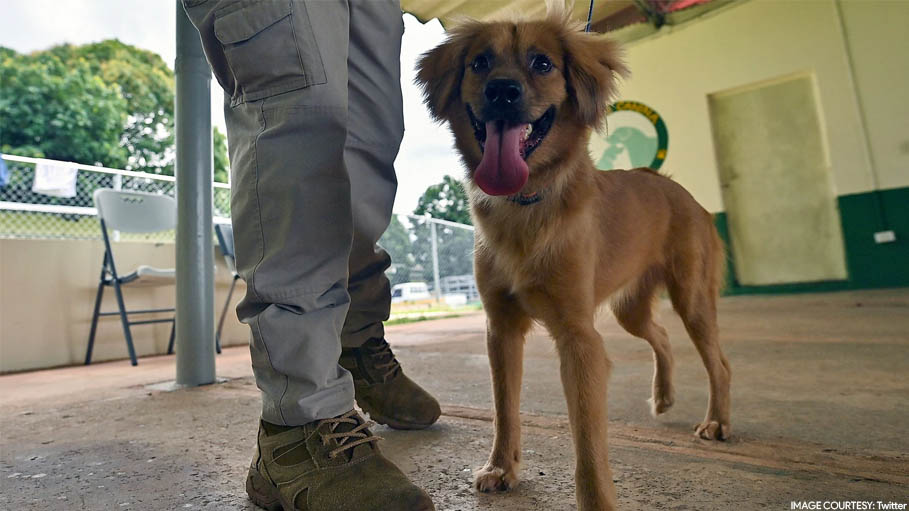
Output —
<point x="660" y="405"/>
<point x="491" y="478"/>
<point x="712" y="430"/>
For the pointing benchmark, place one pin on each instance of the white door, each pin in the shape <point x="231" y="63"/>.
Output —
<point x="783" y="219"/>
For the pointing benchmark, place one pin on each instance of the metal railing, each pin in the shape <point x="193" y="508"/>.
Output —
<point x="434" y="251"/>
<point x="28" y="213"/>
<point x="422" y="248"/>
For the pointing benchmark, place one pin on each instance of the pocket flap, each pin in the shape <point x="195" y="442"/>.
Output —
<point x="242" y="24"/>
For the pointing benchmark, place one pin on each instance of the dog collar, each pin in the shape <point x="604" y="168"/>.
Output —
<point x="526" y="199"/>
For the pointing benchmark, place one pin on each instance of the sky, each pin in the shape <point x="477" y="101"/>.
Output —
<point x="426" y="154"/>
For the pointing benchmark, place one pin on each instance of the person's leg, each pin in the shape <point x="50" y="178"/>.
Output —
<point x="375" y="130"/>
<point x="284" y="64"/>
<point x="289" y="182"/>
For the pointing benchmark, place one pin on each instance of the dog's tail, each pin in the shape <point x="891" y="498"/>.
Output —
<point x="719" y="256"/>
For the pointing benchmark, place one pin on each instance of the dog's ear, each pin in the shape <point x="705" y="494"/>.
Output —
<point x="592" y="65"/>
<point x="440" y="70"/>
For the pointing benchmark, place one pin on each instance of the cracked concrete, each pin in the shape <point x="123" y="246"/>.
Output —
<point x="820" y="407"/>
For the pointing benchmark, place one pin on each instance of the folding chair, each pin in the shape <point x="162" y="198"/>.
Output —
<point x="225" y="234"/>
<point x="134" y="212"/>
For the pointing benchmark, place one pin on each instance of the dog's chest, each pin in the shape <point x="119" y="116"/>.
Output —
<point x="523" y="263"/>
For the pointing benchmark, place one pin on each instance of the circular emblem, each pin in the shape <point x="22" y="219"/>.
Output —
<point x="636" y="137"/>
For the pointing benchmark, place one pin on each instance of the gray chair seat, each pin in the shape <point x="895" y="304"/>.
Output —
<point x="148" y="276"/>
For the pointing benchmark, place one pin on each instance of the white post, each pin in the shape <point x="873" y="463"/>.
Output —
<point x="118" y="185"/>
<point x="435" y="260"/>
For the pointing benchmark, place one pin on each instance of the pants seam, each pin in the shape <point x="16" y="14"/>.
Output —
<point x="353" y="141"/>
<point x="286" y="378"/>
<point x="261" y="230"/>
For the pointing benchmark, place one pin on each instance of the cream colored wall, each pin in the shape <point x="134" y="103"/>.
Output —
<point x="47" y="291"/>
<point x="676" y="69"/>
<point x="878" y="35"/>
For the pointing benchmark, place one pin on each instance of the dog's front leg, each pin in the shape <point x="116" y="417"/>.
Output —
<point x="585" y="369"/>
<point x="505" y="330"/>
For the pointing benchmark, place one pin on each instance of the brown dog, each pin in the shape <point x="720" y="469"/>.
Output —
<point x="555" y="237"/>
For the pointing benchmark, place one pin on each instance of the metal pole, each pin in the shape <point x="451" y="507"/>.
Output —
<point x="118" y="185"/>
<point x="195" y="257"/>
<point x="435" y="260"/>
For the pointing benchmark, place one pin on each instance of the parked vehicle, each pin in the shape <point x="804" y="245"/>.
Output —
<point x="410" y="292"/>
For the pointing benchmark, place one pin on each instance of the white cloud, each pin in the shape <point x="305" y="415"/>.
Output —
<point x="427" y="150"/>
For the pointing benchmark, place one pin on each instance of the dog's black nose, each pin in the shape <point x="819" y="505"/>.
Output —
<point x="503" y="92"/>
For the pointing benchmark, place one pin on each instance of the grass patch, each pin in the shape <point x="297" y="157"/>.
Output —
<point x="417" y="319"/>
<point x="404" y="308"/>
<point x="413" y="313"/>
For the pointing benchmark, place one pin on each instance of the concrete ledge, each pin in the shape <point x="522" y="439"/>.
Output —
<point x="47" y="292"/>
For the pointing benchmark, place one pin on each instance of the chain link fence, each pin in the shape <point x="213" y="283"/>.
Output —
<point x="34" y="209"/>
<point x="436" y="253"/>
<point x="433" y="252"/>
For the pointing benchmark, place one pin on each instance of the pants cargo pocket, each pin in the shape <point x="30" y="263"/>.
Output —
<point x="270" y="48"/>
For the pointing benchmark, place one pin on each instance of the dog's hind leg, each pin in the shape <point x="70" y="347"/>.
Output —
<point x="506" y="326"/>
<point x="633" y="310"/>
<point x="694" y="298"/>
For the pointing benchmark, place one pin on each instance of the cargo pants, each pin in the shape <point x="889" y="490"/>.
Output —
<point x="314" y="120"/>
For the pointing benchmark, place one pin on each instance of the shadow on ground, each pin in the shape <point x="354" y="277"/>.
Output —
<point x="820" y="409"/>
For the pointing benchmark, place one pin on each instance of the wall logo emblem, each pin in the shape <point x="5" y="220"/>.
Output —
<point x="636" y="137"/>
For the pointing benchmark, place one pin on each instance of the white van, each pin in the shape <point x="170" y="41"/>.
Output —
<point x="410" y="292"/>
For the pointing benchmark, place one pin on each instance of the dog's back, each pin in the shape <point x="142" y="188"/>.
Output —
<point x="656" y="229"/>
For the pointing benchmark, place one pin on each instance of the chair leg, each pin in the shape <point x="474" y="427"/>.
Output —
<point x="170" y="344"/>
<point x="224" y="313"/>
<point x="91" y="334"/>
<point x="125" y="320"/>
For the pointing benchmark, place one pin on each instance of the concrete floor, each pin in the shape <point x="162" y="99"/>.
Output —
<point x="820" y="412"/>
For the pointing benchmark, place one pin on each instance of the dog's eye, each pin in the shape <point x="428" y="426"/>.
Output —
<point x="480" y="64"/>
<point x="541" y="64"/>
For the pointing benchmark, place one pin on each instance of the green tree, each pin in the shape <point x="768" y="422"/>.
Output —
<point x="219" y="149"/>
<point x="147" y="85"/>
<point x="105" y="103"/>
<point x="396" y="241"/>
<point x="61" y="110"/>
<point x="446" y="200"/>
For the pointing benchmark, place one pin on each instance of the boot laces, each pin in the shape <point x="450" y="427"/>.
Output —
<point x="351" y="438"/>
<point x="383" y="359"/>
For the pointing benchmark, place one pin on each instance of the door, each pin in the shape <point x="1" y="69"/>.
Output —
<point x="783" y="219"/>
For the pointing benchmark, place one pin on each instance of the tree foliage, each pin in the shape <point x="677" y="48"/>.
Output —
<point x="147" y="85"/>
<point x="396" y="241"/>
<point x="446" y="200"/>
<point x="219" y="149"/>
<point x="105" y="103"/>
<point x="53" y="109"/>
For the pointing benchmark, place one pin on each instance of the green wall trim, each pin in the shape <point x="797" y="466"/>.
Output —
<point x="870" y="265"/>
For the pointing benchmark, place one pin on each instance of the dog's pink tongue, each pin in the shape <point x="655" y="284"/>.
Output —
<point x="502" y="170"/>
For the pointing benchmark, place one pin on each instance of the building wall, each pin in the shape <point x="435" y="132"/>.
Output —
<point x="47" y="293"/>
<point x="876" y="32"/>
<point x="751" y="41"/>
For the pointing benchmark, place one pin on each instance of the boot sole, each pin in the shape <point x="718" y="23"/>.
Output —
<point x="265" y="495"/>
<point x="394" y="424"/>
<point x="262" y="493"/>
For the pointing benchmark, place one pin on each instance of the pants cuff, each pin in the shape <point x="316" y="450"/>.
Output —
<point x="357" y="338"/>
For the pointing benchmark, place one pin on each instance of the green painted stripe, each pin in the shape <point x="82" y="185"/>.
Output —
<point x="870" y="265"/>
